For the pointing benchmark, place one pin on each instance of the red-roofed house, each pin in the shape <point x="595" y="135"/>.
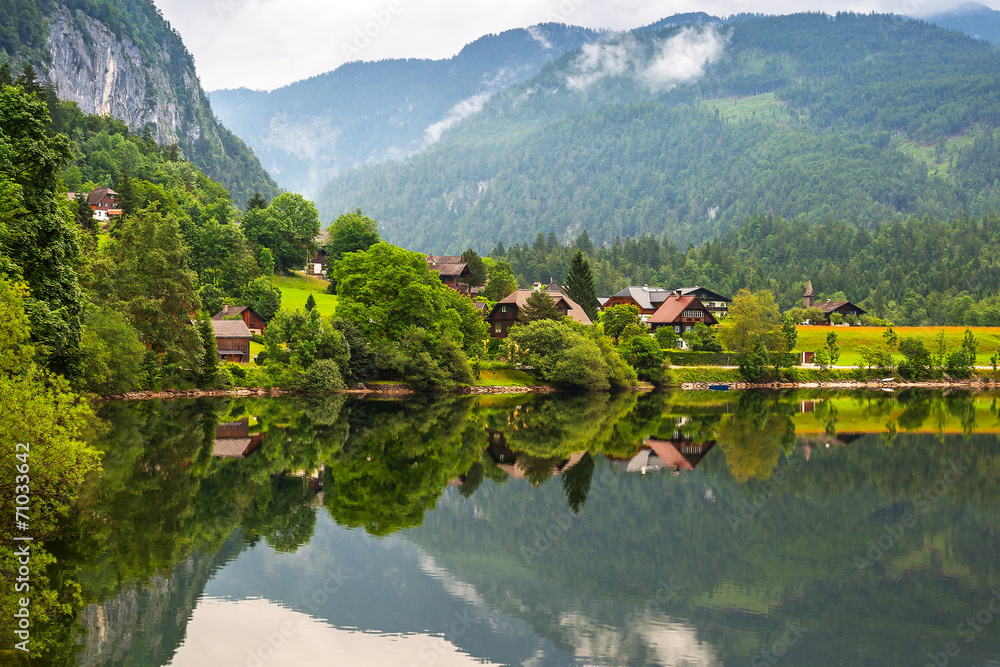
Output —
<point x="105" y="204"/>
<point x="682" y="313"/>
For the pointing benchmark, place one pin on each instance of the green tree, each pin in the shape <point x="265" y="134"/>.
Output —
<point x="351" y="232"/>
<point x="832" y="349"/>
<point x="144" y="274"/>
<point x="501" y="282"/>
<point x="209" y="366"/>
<point x="753" y="363"/>
<point x="539" y="306"/>
<point x="43" y="248"/>
<point x="263" y="297"/>
<point x="701" y="338"/>
<point x="256" y="202"/>
<point x="310" y="302"/>
<point x="666" y="337"/>
<point x="753" y="317"/>
<point x="112" y="354"/>
<point x="580" y="285"/>
<point x="288" y="227"/>
<point x="619" y="318"/>
<point x="477" y="268"/>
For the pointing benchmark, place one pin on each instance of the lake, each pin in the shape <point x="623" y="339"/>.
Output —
<point x="679" y="528"/>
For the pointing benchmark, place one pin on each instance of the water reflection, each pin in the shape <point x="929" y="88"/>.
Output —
<point x="565" y="530"/>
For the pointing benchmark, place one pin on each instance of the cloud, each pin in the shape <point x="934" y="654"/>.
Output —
<point x="678" y="59"/>
<point x="597" y="61"/>
<point x="456" y="115"/>
<point x="538" y="35"/>
<point x="683" y="58"/>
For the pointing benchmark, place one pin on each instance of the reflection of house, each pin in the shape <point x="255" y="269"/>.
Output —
<point x="681" y="313"/>
<point x="829" y="307"/>
<point x="504" y="314"/>
<point x="507" y="459"/>
<point x="234" y="440"/>
<point x="249" y="316"/>
<point x="840" y="439"/>
<point x="232" y="340"/>
<point x="678" y="453"/>
<point x="452" y="270"/>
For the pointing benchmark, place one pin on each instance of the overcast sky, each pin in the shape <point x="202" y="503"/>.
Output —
<point x="266" y="44"/>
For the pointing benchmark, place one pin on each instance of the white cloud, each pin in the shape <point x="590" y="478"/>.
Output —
<point x="683" y="57"/>
<point x="538" y="35"/>
<point x="597" y="61"/>
<point x="456" y="115"/>
<point x="680" y="58"/>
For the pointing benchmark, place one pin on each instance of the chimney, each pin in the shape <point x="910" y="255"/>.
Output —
<point x="225" y="309"/>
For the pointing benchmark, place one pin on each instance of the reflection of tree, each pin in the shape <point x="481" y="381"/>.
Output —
<point x="758" y="431"/>
<point x="576" y="482"/>
<point x="826" y="413"/>
<point x="962" y="406"/>
<point x="281" y="513"/>
<point x="916" y="409"/>
<point x="396" y="462"/>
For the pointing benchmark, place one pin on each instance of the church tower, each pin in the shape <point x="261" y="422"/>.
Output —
<point x="809" y="298"/>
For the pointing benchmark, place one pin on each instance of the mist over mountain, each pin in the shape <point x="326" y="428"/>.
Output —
<point x="684" y="131"/>
<point x="973" y="19"/>
<point x="369" y="112"/>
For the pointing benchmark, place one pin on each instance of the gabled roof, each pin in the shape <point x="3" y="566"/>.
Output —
<point x="447" y="265"/>
<point x="231" y="311"/>
<point x="555" y="287"/>
<point x="521" y="296"/>
<point x="99" y="194"/>
<point x="231" y="329"/>
<point x="830" y="306"/>
<point x="647" y="297"/>
<point x="709" y="294"/>
<point x="674" y="306"/>
<point x="231" y="447"/>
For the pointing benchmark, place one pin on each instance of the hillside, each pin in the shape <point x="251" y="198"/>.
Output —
<point x="369" y="112"/>
<point x="123" y="59"/>
<point x="971" y="18"/>
<point x="683" y="132"/>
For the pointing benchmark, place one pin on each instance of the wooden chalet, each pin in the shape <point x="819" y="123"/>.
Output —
<point x="714" y="302"/>
<point x="317" y="263"/>
<point x="505" y="313"/>
<point x="681" y="313"/>
<point x="830" y="307"/>
<point x="232" y="340"/>
<point x="646" y="298"/>
<point x="452" y="270"/>
<point x="255" y="323"/>
<point x="105" y="204"/>
<point x="234" y="440"/>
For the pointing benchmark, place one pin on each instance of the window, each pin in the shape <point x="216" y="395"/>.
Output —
<point x="503" y="309"/>
<point x="693" y="313"/>
<point x="688" y="328"/>
<point x="499" y="329"/>
<point x="677" y="329"/>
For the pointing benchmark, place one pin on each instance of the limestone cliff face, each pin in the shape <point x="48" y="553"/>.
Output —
<point x="106" y="75"/>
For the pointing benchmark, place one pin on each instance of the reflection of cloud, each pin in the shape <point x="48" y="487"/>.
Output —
<point x="456" y="115"/>
<point x="673" y="642"/>
<point x="678" y="59"/>
<point x="538" y="35"/>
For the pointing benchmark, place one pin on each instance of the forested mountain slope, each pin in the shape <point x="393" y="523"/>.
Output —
<point x="369" y="112"/>
<point x="972" y="18"/>
<point x="123" y="59"/>
<point x="685" y="131"/>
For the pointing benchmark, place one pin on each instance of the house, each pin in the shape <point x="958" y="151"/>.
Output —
<point x="682" y="313"/>
<point x="105" y="204"/>
<point x="452" y="270"/>
<point x="483" y="308"/>
<point x="317" y="263"/>
<point x="646" y="298"/>
<point x="505" y="313"/>
<point x="232" y="340"/>
<point x="716" y="304"/>
<point x="830" y="307"/>
<point x="255" y="323"/>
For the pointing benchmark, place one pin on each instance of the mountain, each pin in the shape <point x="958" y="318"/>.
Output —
<point x="369" y="112"/>
<point x="971" y="18"/>
<point x="683" y="132"/>
<point x="123" y="59"/>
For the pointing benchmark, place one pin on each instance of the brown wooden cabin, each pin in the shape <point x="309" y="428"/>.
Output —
<point x="232" y="340"/>
<point x="504" y="314"/>
<point x="681" y="313"/>
<point x="249" y="316"/>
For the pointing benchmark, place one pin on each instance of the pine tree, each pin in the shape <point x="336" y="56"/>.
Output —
<point x="126" y="194"/>
<point x="256" y="202"/>
<point x="310" y="302"/>
<point x="477" y="268"/>
<point x="580" y="285"/>
<point x="540" y="306"/>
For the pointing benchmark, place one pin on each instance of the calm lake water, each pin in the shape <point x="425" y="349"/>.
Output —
<point x="715" y="528"/>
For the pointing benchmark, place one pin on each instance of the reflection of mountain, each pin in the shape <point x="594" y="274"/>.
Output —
<point x="145" y="623"/>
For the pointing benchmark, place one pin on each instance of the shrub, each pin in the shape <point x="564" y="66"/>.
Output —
<point x="322" y="377"/>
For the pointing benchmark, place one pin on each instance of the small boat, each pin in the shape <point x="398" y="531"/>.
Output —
<point x="719" y="387"/>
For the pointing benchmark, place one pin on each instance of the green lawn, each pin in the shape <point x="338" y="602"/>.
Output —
<point x="505" y="378"/>
<point x="295" y="290"/>
<point x="764" y="108"/>
<point x="851" y="338"/>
